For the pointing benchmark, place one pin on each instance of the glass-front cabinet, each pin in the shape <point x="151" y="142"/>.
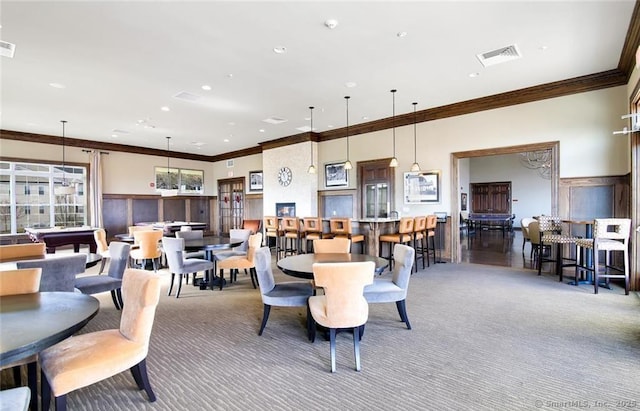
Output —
<point x="375" y="188"/>
<point x="376" y="200"/>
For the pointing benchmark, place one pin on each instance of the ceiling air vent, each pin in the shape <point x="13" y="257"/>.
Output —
<point x="500" y="55"/>
<point x="185" y="95"/>
<point x="7" y="49"/>
<point x="275" y="120"/>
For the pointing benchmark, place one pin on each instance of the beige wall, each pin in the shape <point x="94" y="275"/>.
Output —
<point x="583" y="123"/>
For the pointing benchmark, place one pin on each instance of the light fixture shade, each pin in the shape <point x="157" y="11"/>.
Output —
<point x="347" y="165"/>
<point x="311" y="169"/>
<point x="393" y="162"/>
<point x="63" y="190"/>
<point x="169" y="193"/>
<point x="415" y="167"/>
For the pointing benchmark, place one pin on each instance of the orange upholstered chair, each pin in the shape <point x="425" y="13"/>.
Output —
<point x="404" y="235"/>
<point x="343" y="304"/>
<point x="311" y="231"/>
<point x="15" y="252"/>
<point x="239" y="262"/>
<point x="148" y="249"/>
<point x="88" y="358"/>
<point x="332" y="245"/>
<point x="100" y="236"/>
<point x="272" y="230"/>
<point x="341" y="227"/>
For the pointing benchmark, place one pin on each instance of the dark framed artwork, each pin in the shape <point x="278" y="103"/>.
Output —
<point x="335" y="175"/>
<point x="422" y="187"/>
<point x="463" y="201"/>
<point x="255" y="180"/>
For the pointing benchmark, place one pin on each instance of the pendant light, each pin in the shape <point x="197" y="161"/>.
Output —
<point x="394" y="160"/>
<point x="312" y="168"/>
<point x="347" y="164"/>
<point x="168" y="192"/>
<point x="64" y="188"/>
<point x="415" y="166"/>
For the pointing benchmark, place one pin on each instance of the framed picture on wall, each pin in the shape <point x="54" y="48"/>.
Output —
<point x="422" y="187"/>
<point x="335" y="175"/>
<point x="255" y="180"/>
<point x="463" y="201"/>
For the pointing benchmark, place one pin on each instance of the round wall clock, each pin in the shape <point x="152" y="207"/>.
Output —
<point x="284" y="176"/>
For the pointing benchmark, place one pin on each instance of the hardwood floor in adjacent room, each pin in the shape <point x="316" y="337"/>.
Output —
<point x="491" y="248"/>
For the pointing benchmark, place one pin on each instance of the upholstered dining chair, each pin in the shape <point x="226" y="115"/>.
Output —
<point x="14" y="282"/>
<point x="241" y="250"/>
<point x="551" y="233"/>
<point x="16" y="252"/>
<point x="93" y="284"/>
<point x="332" y="245"/>
<point x="16" y="399"/>
<point x="85" y="359"/>
<point x="58" y="273"/>
<point x="238" y="262"/>
<point x="178" y="264"/>
<point x="524" y="226"/>
<point x="102" y="248"/>
<point x="609" y="235"/>
<point x="147" y="242"/>
<point x="394" y="289"/>
<point x="343" y="304"/>
<point x="283" y="294"/>
<point x="191" y="235"/>
<point x="254" y="225"/>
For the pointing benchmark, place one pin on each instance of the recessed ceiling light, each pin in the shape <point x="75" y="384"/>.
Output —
<point x="226" y="140"/>
<point x="206" y="87"/>
<point x="472" y="75"/>
<point x="543" y="48"/>
<point x="365" y="117"/>
<point x="350" y="84"/>
<point x="114" y="135"/>
<point x="230" y="75"/>
<point x="57" y="85"/>
<point x="231" y="123"/>
<point x="280" y="50"/>
<point x="331" y="23"/>
<point x="330" y="126"/>
<point x="261" y="130"/>
<point x="197" y="143"/>
<point x="165" y="108"/>
<point x="401" y="34"/>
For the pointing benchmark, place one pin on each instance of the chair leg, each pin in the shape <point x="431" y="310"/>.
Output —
<point x="402" y="310"/>
<point x="139" y="372"/>
<point x="221" y="278"/>
<point x="356" y="346"/>
<point x="252" y="271"/>
<point x="332" y="348"/>
<point x="265" y="317"/>
<point x="102" y="264"/>
<point x="61" y="403"/>
<point x="17" y="375"/>
<point x="45" y="392"/>
<point x="114" y="297"/>
<point x="596" y="280"/>
<point x="179" y="285"/>
<point x="120" y="301"/>
<point x="311" y="326"/>
<point x="32" y="383"/>
<point x="173" y="276"/>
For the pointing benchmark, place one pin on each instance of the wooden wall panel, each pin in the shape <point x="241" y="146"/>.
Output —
<point x="144" y="210"/>
<point x="199" y="210"/>
<point x="174" y="209"/>
<point x="114" y="216"/>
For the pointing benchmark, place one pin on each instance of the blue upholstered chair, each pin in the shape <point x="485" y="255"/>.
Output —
<point x="394" y="289"/>
<point x="58" y="273"/>
<point x="283" y="294"/>
<point x="93" y="284"/>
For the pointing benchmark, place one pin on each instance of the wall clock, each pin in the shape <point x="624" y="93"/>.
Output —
<point x="284" y="176"/>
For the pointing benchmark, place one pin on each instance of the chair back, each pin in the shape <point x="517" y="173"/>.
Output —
<point x="100" y="236"/>
<point x="140" y="293"/>
<point x="254" y="225"/>
<point x="420" y="224"/>
<point x="255" y="241"/>
<point x="612" y="229"/>
<point x="242" y="234"/>
<point x="403" y="258"/>
<point x="119" y="253"/>
<point x="58" y="273"/>
<point x="190" y="235"/>
<point x="343" y="285"/>
<point x="534" y="232"/>
<point x="547" y="223"/>
<point x="15" y="252"/>
<point x="340" y="226"/>
<point x="340" y="245"/>
<point x="406" y="225"/>
<point x="291" y="224"/>
<point x="271" y="223"/>
<point x="432" y="222"/>
<point x="264" y="272"/>
<point x="26" y="281"/>
<point x="134" y="228"/>
<point x="524" y="226"/>
<point x="173" y="250"/>
<point x="312" y="225"/>
<point x="148" y="243"/>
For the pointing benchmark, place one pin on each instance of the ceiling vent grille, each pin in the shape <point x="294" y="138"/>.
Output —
<point x="185" y="95"/>
<point x="7" y="49"/>
<point x="275" y="120"/>
<point x="500" y="55"/>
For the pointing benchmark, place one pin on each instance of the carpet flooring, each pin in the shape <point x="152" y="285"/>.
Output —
<point x="483" y="338"/>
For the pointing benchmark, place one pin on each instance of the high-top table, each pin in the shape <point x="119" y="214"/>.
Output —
<point x="301" y="265"/>
<point x="29" y="323"/>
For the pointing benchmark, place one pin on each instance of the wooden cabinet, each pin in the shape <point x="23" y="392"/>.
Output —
<point x="491" y="198"/>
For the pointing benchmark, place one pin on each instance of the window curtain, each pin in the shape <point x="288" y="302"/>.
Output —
<point x="95" y="188"/>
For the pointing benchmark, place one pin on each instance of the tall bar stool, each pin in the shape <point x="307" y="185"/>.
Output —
<point x="341" y="228"/>
<point x="609" y="234"/>
<point x="551" y="234"/>
<point x="312" y="230"/>
<point x="291" y="229"/>
<point x="419" y="239"/>
<point x="404" y="235"/>
<point x="432" y="223"/>
<point x="272" y="230"/>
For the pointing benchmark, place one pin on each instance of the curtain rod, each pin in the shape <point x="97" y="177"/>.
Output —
<point x="91" y="151"/>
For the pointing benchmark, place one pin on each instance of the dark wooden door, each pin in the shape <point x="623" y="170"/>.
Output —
<point x="376" y="188"/>
<point x="491" y="198"/>
<point x="230" y="203"/>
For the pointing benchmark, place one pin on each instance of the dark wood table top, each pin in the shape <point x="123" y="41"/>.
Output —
<point x="211" y="243"/>
<point x="301" y="265"/>
<point x="29" y="323"/>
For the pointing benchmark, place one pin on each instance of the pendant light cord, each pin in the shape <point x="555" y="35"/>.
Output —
<point x="168" y="172"/>
<point x="393" y="93"/>
<point x="64" y="179"/>
<point x="347" y="99"/>
<point x="415" y="145"/>
<point x="311" y="133"/>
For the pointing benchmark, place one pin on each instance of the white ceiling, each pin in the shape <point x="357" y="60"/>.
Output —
<point x="120" y="62"/>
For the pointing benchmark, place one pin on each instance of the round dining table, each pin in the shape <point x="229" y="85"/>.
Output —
<point x="301" y="265"/>
<point x="29" y="323"/>
<point x="210" y="245"/>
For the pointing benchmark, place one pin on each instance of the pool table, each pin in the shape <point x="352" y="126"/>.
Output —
<point x="57" y="237"/>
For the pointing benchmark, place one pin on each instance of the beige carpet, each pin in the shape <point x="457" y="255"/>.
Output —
<point x="483" y="338"/>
